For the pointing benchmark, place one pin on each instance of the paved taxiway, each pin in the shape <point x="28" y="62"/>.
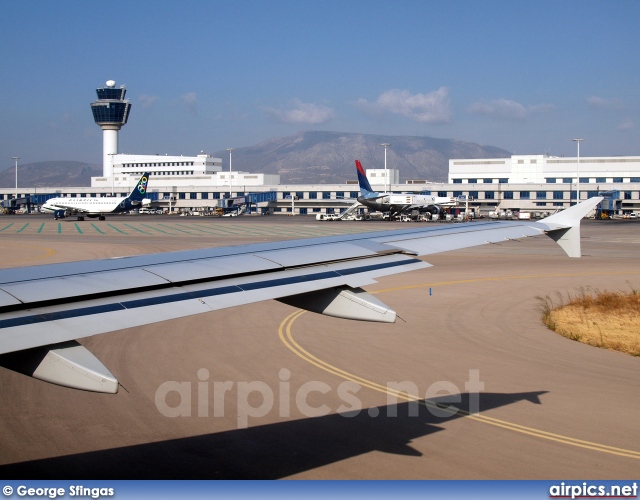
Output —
<point x="550" y="407"/>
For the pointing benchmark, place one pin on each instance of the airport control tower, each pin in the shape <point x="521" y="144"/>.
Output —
<point x="111" y="112"/>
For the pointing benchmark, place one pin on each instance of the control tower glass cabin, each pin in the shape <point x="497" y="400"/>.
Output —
<point x="110" y="112"/>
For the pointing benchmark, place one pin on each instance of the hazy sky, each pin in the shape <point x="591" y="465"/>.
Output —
<point x="526" y="76"/>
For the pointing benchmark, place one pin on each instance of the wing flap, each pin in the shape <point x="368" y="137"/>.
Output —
<point x="83" y="318"/>
<point x="81" y="285"/>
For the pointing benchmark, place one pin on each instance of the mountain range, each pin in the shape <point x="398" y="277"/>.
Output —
<point x="310" y="157"/>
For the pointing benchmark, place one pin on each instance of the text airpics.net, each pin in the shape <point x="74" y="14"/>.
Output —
<point x="588" y="490"/>
<point x="209" y="393"/>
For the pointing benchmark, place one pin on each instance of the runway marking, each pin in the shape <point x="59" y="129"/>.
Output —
<point x="156" y="229"/>
<point x="286" y="336"/>
<point x="41" y="228"/>
<point x="98" y="229"/>
<point x="78" y="228"/>
<point x="116" y="229"/>
<point x="195" y="229"/>
<point x="136" y="229"/>
<point x="23" y="228"/>
<point x="177" y="229"/>
<point x="59" y="227"/>
<point x="6" y="227"/>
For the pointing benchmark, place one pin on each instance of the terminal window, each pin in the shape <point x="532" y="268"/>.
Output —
<point x="489" y="195"/>
<point x="524" y="195"/>
<point x="541" y="195"/>
<point x="508" y="195"/>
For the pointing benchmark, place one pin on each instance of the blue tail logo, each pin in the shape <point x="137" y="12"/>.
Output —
<point x="365" y="187"/>
<point x="142" y="185"/>
<point x="141" y="188"/>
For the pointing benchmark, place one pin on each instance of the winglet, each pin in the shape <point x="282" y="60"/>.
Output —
<point x="564" y="227"/>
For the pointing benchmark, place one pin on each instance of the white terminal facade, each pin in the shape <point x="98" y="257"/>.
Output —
<point x="521" y="182"/>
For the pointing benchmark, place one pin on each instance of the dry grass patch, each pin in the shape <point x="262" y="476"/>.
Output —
<point x="602" y="319"/>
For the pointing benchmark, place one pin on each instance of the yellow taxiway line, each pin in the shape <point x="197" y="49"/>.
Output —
<point x="286" y="336"/>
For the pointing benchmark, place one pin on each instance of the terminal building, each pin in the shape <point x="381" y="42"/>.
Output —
<point x="535" y="183"/>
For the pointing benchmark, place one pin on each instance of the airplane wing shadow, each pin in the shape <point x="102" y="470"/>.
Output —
<point x="262" y="452"/>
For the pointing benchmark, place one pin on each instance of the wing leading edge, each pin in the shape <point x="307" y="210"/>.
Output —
<point x="46" y="306"/>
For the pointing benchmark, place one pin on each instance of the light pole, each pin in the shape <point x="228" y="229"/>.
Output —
<point x="578" y="140"/>
<point x="16" y="158"/>
<point x="386" y="174"/>
<point x="230" y="149"/>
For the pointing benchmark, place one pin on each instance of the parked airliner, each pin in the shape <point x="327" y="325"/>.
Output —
<point x="396" y="203"/>
<point x="99" y="207"/>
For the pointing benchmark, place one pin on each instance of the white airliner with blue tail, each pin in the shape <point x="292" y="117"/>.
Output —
<point x="94" y="207"/>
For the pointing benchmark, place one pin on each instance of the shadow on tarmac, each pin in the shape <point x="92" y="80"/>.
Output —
<point x="264" y="452"/>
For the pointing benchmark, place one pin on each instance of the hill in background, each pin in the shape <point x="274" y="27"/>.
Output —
<point x="328" y="157"/>
<point x="303" y="158"/>
<point x="50" y="174"/>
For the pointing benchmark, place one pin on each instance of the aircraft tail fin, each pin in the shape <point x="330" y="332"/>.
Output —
<point x="564" y="226"/>
<point x="139" y="192"/>
<point x="365" y="187"/>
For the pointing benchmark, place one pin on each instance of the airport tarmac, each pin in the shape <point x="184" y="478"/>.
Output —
<point x="266" y="391"/>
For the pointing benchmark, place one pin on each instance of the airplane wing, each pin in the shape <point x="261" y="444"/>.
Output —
<point x="49" y="306"/>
